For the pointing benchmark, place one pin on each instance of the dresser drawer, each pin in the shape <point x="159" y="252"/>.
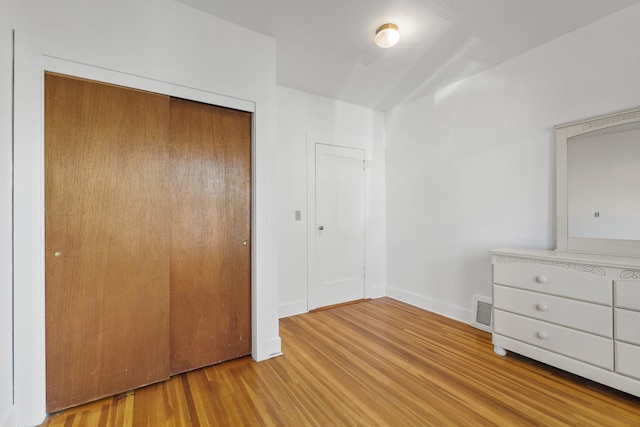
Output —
<point x="628" y="326"/>
<point x="582" y="282"/>
<point x="585" y="316"/>
<point x="579" y="345"/>
<point x="628" y="359"/>
<point x="627" y="294"/>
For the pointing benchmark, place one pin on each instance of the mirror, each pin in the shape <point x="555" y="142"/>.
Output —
<point x="598" y="165"/>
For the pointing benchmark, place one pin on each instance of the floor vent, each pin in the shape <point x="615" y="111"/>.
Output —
<point x="482" y="313"/>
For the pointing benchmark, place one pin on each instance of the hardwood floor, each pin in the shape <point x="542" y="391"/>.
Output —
<point x="376" y="363"/>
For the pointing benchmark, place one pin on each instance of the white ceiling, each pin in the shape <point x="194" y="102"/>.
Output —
<point x="326" y="46"/>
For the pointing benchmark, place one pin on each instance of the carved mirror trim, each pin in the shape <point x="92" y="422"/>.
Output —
<point x="574" y="132"/>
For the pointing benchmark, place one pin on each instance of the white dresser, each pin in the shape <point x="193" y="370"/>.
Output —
<point x="577" y="312"/>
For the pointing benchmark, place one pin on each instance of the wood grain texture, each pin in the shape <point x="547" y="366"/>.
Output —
<point x="107" y="258"/>
<point x="210" y="215"/>
<point x="377" y="363"/>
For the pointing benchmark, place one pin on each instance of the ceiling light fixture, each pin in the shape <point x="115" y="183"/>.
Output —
<point x="387" y="35"/>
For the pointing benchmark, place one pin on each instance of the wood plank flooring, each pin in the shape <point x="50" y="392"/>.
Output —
<point x="376" y="363"/>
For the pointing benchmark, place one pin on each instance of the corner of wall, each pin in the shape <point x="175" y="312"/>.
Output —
<point x="376" y="291"/>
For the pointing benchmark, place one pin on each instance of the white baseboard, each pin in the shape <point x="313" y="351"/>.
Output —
<point x="292" y="308"/>
<point x="447" y="310"/>
<point x="376" y="292"/>
<point x="300" y="307"/>
<point x="438" y="307"/>
<point x="275" y="347"/>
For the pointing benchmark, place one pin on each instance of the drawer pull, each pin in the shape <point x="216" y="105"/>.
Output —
<point x="542" y="307"/>
<point x="541" y="279"/>
<point x="542" y="335"/>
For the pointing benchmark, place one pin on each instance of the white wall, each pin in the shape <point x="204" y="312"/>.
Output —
<point x="471" y="167"/>
<point x="149" y="44"/>
<point x="338" y="123"/>
<point x="6" y="297"/>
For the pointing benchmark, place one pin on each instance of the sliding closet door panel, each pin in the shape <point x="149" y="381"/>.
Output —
<point x="210" y="155"/>
<point x="107" y="253"/>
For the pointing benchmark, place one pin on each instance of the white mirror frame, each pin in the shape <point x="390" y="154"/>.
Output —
<point x="565" y="243"/>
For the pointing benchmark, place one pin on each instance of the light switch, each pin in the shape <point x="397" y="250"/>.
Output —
<point x="298" y="215"/>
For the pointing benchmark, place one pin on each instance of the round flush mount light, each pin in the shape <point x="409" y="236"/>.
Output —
<point x="387" y="35"/>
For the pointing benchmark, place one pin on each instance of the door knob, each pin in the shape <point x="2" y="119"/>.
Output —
<point x="321" y="228"/>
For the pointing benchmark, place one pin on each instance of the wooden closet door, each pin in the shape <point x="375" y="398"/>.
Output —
<point x="210" y="231"/>
<point x="107" y="259"/>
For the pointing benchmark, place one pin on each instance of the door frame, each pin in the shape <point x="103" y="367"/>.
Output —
<point x="34" y="56"/>
<point x="312" y="267"/>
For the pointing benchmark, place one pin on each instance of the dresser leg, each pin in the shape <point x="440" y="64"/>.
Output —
<point x="499" y="351"/>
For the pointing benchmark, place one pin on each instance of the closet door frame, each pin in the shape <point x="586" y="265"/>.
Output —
<point x="31" y="63"/>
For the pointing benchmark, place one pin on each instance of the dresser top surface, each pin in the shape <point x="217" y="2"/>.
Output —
<point x="577" y="257"/>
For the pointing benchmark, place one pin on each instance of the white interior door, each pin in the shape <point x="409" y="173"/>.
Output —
<point x="338" y="227"/>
